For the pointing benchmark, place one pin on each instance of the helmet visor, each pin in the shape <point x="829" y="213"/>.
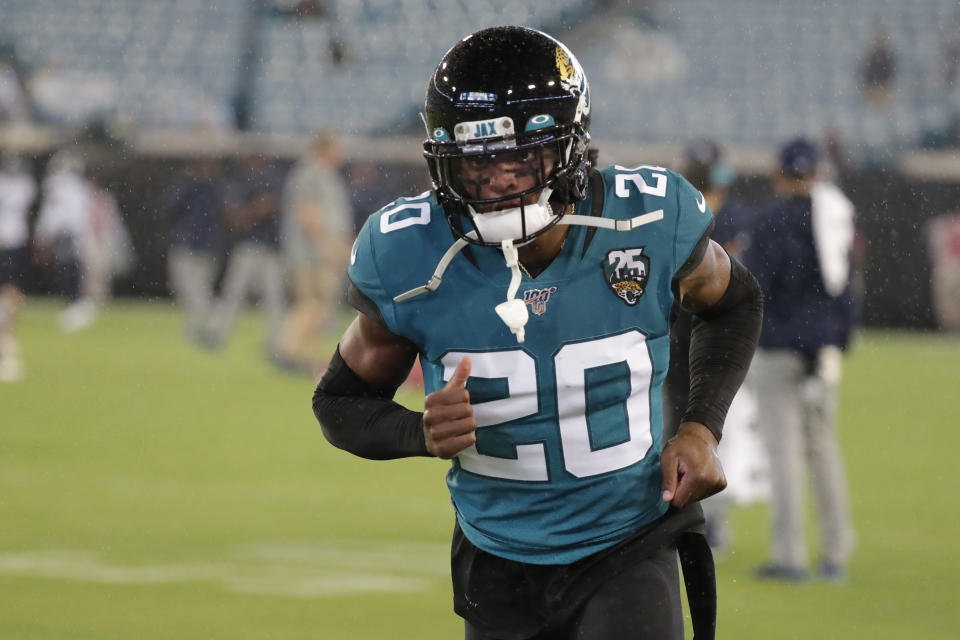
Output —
<point x="498" y="174"/>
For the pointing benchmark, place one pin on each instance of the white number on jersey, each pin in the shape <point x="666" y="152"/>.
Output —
<point x="570" y="368"/>
<point x="657" y="189"/>
<point x="423" y="217"/>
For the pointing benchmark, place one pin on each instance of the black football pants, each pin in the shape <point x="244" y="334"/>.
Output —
<point x="638" y="603"/>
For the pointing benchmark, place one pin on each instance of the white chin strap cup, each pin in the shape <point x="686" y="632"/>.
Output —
<point x="508" y="224"/>
<point x="513" y="312"/>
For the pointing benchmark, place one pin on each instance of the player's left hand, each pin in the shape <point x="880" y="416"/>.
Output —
<point x="691" y="466"/>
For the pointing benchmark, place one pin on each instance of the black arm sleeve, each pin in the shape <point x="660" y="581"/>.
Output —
<point x="364" y="420"/>
<point x="722" y="341"/>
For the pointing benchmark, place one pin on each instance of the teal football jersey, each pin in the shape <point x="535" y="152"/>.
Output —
<point x="567" y="457"/>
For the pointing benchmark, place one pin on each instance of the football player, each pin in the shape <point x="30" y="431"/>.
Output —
<point x="542" y="330"/>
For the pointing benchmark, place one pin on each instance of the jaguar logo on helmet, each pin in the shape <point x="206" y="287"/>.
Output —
<point x="572" y="77"/>
<point x="627" y="272"/>
<point x="567" y="70"/>
<point x="583" y="107"/>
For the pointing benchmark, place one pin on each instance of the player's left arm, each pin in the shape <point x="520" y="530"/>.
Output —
<point x="728" y="309"/>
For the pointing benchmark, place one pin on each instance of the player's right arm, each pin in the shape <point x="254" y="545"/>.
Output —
<point x="355" y="407"/>
<point x="354" y="399"/>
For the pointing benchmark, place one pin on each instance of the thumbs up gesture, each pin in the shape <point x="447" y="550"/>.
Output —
<point x="448" y="423"/>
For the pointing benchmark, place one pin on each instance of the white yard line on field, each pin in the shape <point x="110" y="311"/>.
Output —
<point x="311" y="570"/>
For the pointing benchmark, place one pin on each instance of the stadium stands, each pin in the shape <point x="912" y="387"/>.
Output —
<point x="744" y="71"/>
<point x="391" y="47"/>
<point x="163" y="63"/>
<point x="761" y="70"/>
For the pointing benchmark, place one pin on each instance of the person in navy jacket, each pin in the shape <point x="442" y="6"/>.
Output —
<point x="800" y="252"/>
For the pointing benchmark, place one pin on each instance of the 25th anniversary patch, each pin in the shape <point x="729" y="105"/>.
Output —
<point x="626" y="272"/>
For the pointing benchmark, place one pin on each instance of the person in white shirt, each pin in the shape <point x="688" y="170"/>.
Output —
<point x="63" y="227"/>
<point x="18" y="190"/>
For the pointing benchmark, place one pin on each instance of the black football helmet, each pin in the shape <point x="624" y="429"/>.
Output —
<point x="508" y="90"/>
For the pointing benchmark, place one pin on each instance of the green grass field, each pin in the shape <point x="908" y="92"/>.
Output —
<point x="149" y="490"/>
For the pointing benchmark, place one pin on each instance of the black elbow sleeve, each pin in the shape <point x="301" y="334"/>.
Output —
<point x="723" y="339"/>
<point x="364" y="420"/>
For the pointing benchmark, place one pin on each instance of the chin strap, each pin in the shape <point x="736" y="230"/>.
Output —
<point x="513" y="312"/>
<point x="614" y="225"/>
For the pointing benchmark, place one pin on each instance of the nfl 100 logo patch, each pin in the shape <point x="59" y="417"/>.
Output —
<point x="538" y="298"/>
<point x="627" y="272"/>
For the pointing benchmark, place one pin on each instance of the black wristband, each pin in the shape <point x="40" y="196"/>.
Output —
<point x="722" y="341"/>
<point x="364" y="420"/>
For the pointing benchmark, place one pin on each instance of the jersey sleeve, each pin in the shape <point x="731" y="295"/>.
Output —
<point x="694" y="224"/>
<point x="365" y="275"/>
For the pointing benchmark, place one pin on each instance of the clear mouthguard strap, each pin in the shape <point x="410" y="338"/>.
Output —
<point x="513" y="312"/>
<point x="437" y="276"/>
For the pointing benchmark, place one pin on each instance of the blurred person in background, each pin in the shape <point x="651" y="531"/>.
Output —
<point x="800" y="251"/>
<point x="18" y="189"/>
<point x="878" y="68"/>
<point x="254" y="262"/>
<point x="107" y="250"/>
<point x="194" y="210"/>
<point x="60" y="237"/>
<point x="80" y="234"/>
<point x="741" y="451"/>
<point x="316" y="233"/>
<point x="880" y="133"/>
<point x="943" y="242"/>
<point x="14" y="106"/>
